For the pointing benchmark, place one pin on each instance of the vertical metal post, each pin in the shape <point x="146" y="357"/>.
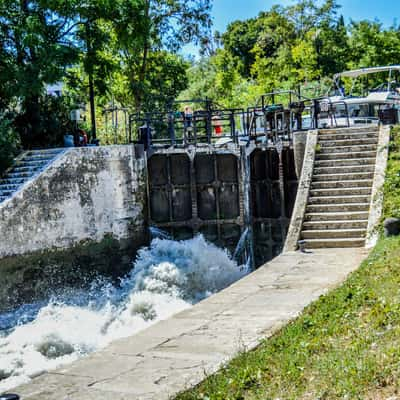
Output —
<point x="232" y="124"/>
<point x="126" y="126"/>
<point x="129" y="132"/>
<point x="315" y="114"/>
<point x="279" y="149"/>
<point x="265" y="126"/>
<point x="208" y="126"/>
<point x="246" y="187"/>
<point x="148" y="133"/>
<point x="194" y="128"/>
<point x="171" y="129"/>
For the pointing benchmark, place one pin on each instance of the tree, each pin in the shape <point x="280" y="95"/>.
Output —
<point x="97" y="24"/>
<point x="34" y="50"/>
<point x="167" y="25"/>
<point x="371" y="45"/>
<point x="239" y="40"/>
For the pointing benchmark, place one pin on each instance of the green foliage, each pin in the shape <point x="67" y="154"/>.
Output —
<point x="120" y="49"/>
<point x="150" y="65"/>
<point x="51" y="124"/>
<point x="391" y="205"/>
<point x="301" y="45"/>
<point x="9" y="144"/>
<point x="34" y="49"/>
<point x="164" y="79"/>
<point x="127" y="51"/>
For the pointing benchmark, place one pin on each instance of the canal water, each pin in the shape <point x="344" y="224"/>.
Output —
<point x="166" y="277"/>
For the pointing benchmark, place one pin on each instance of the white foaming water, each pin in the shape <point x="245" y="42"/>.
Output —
<point x="167" y="277"/>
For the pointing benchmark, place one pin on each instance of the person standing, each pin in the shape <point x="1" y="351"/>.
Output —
<point x="217" y="124"/>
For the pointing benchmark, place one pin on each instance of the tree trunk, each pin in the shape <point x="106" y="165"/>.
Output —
<point x="91" y="83"/>
<point x="92" y="105"/>
<point x="143" y="68"/>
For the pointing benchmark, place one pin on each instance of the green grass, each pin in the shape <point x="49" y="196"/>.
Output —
<point x="392" y="181"/>
<point x="346" y="345"/>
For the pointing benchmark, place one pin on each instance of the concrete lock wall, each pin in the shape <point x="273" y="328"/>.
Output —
<point x="85" y="194"/>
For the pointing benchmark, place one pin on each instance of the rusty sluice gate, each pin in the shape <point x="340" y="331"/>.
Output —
<point x="270" y="214"/>
<point x="220" y="192"/>
<point x="240" y="179"/>
<point x="196" y="193"/>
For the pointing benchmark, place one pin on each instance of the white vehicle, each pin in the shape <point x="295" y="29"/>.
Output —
<point x="378" y="103"/>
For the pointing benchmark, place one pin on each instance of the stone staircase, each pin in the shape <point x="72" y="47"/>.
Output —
<point x="340" y="195"/>
<point x="25" y="167"/>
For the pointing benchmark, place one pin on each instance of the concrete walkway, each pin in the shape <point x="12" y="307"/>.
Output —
<point x="177" y="353"/>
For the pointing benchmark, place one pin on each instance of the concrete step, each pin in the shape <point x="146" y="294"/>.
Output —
<point x="341" y="184"/>
<point x="6" y="193"/>
<point x="328" y="225"/>
<point x="347" y="149"/>
<point x="333" y="208"/>
<point x="9" y="188"/>
<point x="351" y="136"/>
<point x="19" y="175"/>
<point x="342" y="169"/>
<point x="339" y="199"/>
<point x="345" y="162"/>
<point x="343" y="177"/>
<point x="38" y="159"/>
<point x="6" y="181"/>
<point x="333" y="233"/>
<point x="334" y="243"/>
<point x="46" y="152"/>
<point x="361" y="129"/>
<point x="345" y="155"/>
<point x="24" y="163"/>
<point x="348" y="142"/>
<point x="29" y="168"/>
<point x="357" y="191"/>
<point x="335" y="216"/>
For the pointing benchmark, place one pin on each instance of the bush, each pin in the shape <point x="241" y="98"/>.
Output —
<point x="9" y="143"/>
<point x="47" y="125"/>
<point x="391" y="205"/>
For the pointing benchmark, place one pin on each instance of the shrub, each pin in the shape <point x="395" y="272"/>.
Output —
<point x="52" y="122"/>
<point x="9" y="143"/>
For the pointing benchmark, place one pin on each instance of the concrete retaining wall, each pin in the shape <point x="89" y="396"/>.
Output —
<point x="299" y="148"/>
<point x="85" y="194"/>
<point x="375" y="212"/>
<point x="296" y="221"/>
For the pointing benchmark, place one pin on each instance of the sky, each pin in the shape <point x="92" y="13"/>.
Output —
<point x="226" y="11"/>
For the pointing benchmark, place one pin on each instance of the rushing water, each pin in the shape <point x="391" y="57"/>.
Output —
<point x="166" y="277"/>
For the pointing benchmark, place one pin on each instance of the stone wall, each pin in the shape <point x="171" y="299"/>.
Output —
<point x="299" y="147"/>
<point x="296" y="221"/>
<point x="84" y="195"/>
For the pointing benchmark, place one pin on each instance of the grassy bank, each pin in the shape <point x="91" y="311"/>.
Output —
<point x="344" y="346"/>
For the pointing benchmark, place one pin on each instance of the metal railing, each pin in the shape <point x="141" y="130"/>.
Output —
<point x="175" y="128"/>
<point x="266" y="123"/>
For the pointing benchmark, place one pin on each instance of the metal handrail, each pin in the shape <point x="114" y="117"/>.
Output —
<point x="175" y="128"/>
<point x="265" y="123"/>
